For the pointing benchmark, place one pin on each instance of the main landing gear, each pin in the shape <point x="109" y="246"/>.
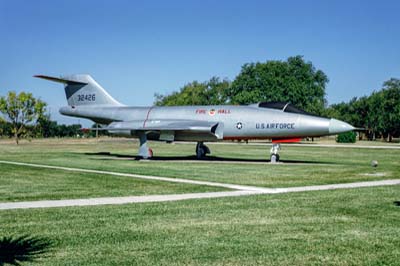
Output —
<point x="275" y="152"/>
<point x="201" y="150"/>
<point x="144" y="151"/>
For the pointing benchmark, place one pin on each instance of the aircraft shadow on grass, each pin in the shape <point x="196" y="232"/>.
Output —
<point x="16" y="250"/>
<point x="193" y="158"/>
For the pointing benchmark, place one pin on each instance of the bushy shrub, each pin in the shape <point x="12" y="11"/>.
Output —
<point x="347" y="137"/>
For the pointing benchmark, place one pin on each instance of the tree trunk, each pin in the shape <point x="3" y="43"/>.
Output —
<point x="16" y="137"/>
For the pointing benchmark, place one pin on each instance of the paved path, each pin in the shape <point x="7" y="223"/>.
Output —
<point x="119" y="200"/>
<point x="239" y="190"/>
<point x="176" y="197"/>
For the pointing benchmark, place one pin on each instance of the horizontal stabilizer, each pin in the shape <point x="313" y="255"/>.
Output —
<point x="60" y="80"/>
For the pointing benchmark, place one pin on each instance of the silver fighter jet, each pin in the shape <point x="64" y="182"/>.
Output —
<point x="280" y="122"/>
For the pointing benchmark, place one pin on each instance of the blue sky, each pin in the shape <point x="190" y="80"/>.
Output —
<point x="137" y="48"/>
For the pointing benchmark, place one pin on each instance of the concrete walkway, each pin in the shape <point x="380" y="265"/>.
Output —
<point x="119" y="200"/>
<point x="239" y="190"/>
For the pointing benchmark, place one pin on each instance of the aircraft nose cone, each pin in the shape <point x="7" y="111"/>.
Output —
<point x="337" y="126"/>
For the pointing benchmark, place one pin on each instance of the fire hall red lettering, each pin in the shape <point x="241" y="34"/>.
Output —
<point x="200" y="111"/>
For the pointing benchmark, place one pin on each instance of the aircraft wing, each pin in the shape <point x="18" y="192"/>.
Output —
<point x="168" y="128"/>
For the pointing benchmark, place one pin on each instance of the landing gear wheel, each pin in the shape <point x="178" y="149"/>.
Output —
<point x="200" y="153"/>
<point x="274" y="158"/>
<point x="275" y="152"/>
<point x="144" y="151"/>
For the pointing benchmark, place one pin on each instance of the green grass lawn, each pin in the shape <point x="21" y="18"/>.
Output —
<point x="302" y="165"/>
<point x="24" y="183"/>
<point x="341" y="227"/>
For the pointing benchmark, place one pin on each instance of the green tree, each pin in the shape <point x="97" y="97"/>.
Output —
<point x="21" y="110"/>
<point x="360" y="109"/>
<point x="378" y="113"/>
<point x="5" y="128"/>
<point x="391" y="108"/>
<point x="3" y="125"/>
<point x="375" y="117"/>
<point x="338" y="111"/>
<point x="347" y="137"/>
<point x="211" y="92"/>
<point x="294" y="81"/>
<point x="69" y="130"/>
<point x="364" y="112"/>
<point x="360" y="115"/>
<point x="354" y="112"/>
<point x="46" y="128"/>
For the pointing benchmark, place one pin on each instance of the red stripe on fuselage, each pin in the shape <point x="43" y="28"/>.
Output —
<point x="147" y="116"/>
<point x="280" y="140"/>
<point x="291" y="140"/>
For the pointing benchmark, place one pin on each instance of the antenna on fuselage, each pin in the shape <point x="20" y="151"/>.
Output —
<point x="284" y="108"/>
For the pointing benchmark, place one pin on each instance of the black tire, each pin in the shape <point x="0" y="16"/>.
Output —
<point x="200" y="153"/>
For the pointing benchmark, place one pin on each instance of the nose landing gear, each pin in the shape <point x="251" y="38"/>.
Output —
<point x="275" y="152"/>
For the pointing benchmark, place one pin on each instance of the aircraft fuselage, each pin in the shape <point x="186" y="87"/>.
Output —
<point x="237" y="122"/>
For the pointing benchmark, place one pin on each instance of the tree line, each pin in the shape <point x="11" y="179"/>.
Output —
<point x="46" y="128"/>
<point x="25" y="116"/>
<point x="378" y="113"/>
<point x="294" y="80"/>
<point x="300" y="83"/>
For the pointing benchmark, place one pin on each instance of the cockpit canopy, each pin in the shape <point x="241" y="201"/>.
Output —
<point x="283" y="106"/>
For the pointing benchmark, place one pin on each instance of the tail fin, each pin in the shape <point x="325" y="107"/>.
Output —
<point x="83" y="90"/>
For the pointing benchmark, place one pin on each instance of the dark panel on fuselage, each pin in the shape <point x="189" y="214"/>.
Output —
<point x="284" y="106"/>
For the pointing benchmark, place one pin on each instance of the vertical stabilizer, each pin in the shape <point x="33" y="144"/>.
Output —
<point x="82" y="89"/>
